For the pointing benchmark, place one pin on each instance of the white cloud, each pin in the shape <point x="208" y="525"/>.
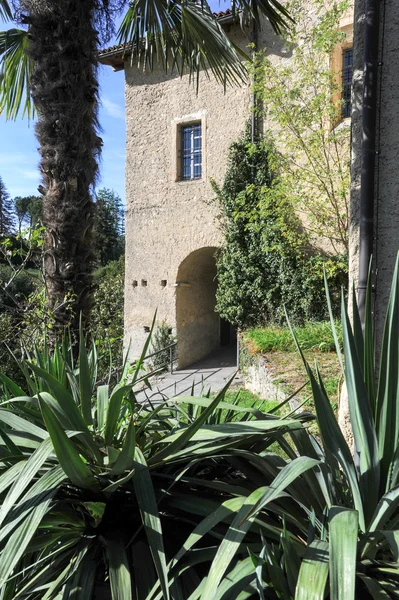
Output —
<point x="113" y="109"/>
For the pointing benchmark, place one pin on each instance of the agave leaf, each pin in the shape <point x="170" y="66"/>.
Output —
<point x="81" y="586"/>
<point x="234" y="429"/>
<point x="291" y="560"/>
<point x="19" y="540"/>
<point x="240" y="582"/>
<point x="223" y="512"/>
<point x="10" y="444"/>
<point x="12" y="387"/>
<point x="374" y="588"/>
<point x="147" y="502"/>
<point x="126" y="457"/>
<point x="10" y="475"/>
<point x="85" y="380"/>
<point x="333" y="440"/>
<point x="35" y="494"/>
<point x="22" y="425"/>
<point x="361" y="420"/>
<point x="286" y="476"/>
<point x="332" y="322"/>
<point x="114" y="411"/>
<point x="188" y="432"/>
<point x="118" y="567"/>
<point x="28" y="472"/>
<point x="68" y="456"/>
<point x="343" y="529"/>
<point x="393" y="540"/>
<point x="313" y="573"/>
<point x="387" y="420"/>
<point x="230" y="544"/>
<point x="386" y="507"/>
<point x="102" y="405"/>
<point x="369" y="346"/>
<point x="64" y="398"/>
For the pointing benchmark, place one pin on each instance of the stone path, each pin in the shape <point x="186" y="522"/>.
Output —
<point x="212" y="373"/>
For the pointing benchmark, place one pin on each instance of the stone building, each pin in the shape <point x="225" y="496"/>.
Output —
<point x="176" y="141"/>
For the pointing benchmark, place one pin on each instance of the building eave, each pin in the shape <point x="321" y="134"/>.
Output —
<point x="115" y="56"/>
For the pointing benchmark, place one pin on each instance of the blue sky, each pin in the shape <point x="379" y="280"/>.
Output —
<point x="18" y="152"/>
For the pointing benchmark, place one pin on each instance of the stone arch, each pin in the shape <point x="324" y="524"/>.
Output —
<point x="197" y="323"/>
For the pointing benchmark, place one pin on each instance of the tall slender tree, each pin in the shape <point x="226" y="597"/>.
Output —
<point x="109" y="226"/>
<point x="7" y="217"/>
<point x="28" y="210"/>
<point x="58" y="61"/>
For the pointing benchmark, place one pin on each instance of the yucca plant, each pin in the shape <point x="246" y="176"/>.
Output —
<point x="355" y="552"/>
<point x="104" y="498"/>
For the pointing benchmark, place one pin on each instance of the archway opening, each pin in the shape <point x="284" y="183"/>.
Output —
<point x="197" y="323"/>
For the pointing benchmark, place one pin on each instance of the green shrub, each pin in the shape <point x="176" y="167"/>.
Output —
<point x="266" y="262"/>
<point x="161" y="338"/>
<point x="107" y="314"/>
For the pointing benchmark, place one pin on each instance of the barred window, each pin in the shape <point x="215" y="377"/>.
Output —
<point x="191" y="151"/>
<point x="347" y="76"/>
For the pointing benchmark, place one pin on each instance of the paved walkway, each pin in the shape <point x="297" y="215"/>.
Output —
<point x="212" y="373"/>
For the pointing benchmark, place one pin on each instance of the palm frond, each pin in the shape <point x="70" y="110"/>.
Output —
<point x="5" y="11"/>
<point x="185" y="37"/>
<point x="16" y="70"/>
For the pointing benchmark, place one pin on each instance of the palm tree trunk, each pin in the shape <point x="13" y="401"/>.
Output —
<point x="64" y="87"/>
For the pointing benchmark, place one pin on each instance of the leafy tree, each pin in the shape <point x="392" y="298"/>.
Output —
<point x="7" y="220"/>
<point x="303" y="104"/>
<point x="28" y="210"/>
<point x="58" y="61"/>
<point x="266" y="262"/>
<point x="109" y="226"/>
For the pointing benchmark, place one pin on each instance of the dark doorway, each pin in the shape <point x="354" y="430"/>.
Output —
<point x="228" y="333"/>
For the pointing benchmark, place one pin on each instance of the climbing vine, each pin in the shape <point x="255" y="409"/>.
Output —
<point x="267" y="262"/>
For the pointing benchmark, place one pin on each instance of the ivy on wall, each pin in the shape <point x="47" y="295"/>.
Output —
<point x="267" y="261"/>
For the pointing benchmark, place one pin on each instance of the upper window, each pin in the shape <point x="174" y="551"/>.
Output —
<point x="347" y="76"/>
<point x="191" y="151"/>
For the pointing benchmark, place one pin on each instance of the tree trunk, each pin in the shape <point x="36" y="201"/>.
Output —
<point x="64" y="87"/>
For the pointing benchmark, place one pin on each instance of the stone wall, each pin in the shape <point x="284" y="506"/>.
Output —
<point x="167" y="220"/>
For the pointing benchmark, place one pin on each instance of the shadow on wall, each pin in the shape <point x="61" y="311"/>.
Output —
<point x="197" y="323"/>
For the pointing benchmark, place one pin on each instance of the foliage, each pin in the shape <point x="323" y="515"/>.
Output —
<point x="6" y="211"/>
<point x="101" y="495"/>
<point x="303" y="104"/>
<point x="56" y="61"/>
<point x="312" y="336"/>
<point x="107" y="315"/>
<point x="266" y="260"/>
<point x="109" y="226"/>
<point x="28" y="210"/>
<point x="161" y="338"/>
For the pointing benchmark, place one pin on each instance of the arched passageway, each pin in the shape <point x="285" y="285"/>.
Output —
<point x="197" y="323"/>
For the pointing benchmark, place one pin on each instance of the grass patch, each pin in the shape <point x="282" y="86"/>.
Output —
<point x="313" y="336"/>
<point x="285" y="363"/>
<point x="247" y="399"/>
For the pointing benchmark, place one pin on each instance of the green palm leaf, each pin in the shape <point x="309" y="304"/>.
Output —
<point x="5" y="11"/>
<point x="184" y="36"/>
<point x="16" y="70"/>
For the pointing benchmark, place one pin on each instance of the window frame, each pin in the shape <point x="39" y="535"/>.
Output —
<point x="176" y="124"/>
<point x="345" y="85"/>
<point x="191" y="152"/>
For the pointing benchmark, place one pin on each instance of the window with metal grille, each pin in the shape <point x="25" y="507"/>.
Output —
<point x="191" y="151"/>
<point x="347" y="76"/>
